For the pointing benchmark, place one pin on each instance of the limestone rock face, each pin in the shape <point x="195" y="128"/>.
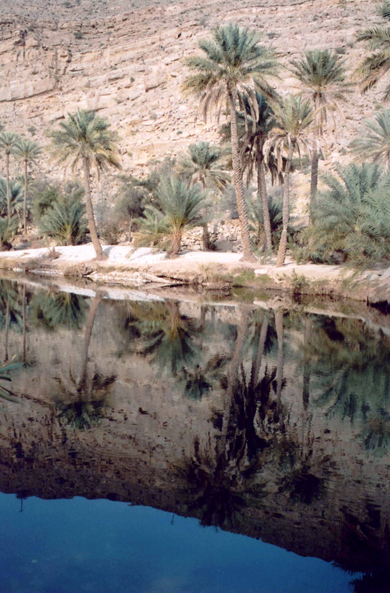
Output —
<point x="155" y="78"/>
<point x="128" y="64"/>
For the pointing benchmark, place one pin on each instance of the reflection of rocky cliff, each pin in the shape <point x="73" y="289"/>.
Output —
<point x="230" y="433"/>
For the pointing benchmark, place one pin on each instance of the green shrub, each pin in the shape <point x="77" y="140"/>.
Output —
<point x="65" y="221"/>
<point x="8" y="230"/>
<point x="352" y="218"/>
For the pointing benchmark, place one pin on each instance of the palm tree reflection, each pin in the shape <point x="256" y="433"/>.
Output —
<point x="81" y="403"/>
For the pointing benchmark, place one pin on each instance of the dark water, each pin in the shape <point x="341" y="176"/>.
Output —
<point x="170" y="446"/>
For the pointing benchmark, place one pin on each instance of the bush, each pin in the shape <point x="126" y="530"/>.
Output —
<point x="65" y="221"/>
<point x="8" y="231"/>
<point x="16" y="193"/>
<point x="352" y="218"/>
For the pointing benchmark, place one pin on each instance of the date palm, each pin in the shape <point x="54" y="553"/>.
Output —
<point x="374" y="142"/>
<point x="11" y="198"/>
<point x="85" y="140"/>
<point x="233" y="67"/>
<point x="28" y="152"/>
<point x="376" y="65"/>
<point x="181" y="206"/>
<point x="202" y="165"/>
<point x="8" y="141"/>
<point x="322" y="76"/>
<point x="293" y="117"/>
<point x="253" y="142"/>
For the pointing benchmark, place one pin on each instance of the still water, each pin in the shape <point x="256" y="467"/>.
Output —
<point x="156" y="446"/>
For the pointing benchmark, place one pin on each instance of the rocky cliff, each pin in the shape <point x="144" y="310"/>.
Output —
<point x="126" y="61"/>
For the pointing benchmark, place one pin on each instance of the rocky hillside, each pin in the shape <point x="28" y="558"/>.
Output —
<point x="125" y="59"/>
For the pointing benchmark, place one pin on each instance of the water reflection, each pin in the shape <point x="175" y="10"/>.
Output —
<point x="270" y="423"/>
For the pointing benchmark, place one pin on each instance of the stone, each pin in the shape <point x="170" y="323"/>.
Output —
<point x="386" y="274"/>
<point x="155" y="78"/>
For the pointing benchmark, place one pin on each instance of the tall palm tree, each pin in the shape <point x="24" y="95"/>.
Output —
<point x="86" y="139"/>
<point x="253" y="141"/>
<point x="374" y="142"/>
<point x="377" y="64"/>
<point x="28" y="152"/>
<point x="181" y="205"/>
<point x="293" y="116"/>
<point x="234" y="66"/>
<point x="322" y="76"/>
<point x="8" y="141"/>
<point x="202" y="165"/>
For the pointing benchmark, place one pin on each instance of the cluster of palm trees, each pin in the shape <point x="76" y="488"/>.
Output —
<point x="266" y="131"/>
<point x="25" y="152"/>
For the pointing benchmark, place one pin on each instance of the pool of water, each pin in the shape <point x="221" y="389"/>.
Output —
<point x="181" y="446"/>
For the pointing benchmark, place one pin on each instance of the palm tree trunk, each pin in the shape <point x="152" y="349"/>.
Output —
<point x="90" y="214"/>
<point x="175" y="243"/>
<point x="8" y="188"/>
<point x="262" y="189"/>
<point x="232" y="375"/>
<point x="238" y="184"/>
<point x="259" y="354"/>
<point x="286" y="210"/>
<point x="25" y="198"/>
<point x="280" y="363"/>
<point x="7" y="316"/>
<point x="130" y="226"/>
<point x="205" y="237"/>
<point x="306" y="371"/>
<point x="314" y="181"/>
<point x="24" y="326"/>
<point x="87" y="340"/>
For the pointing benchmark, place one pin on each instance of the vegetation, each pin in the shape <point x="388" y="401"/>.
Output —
<point x="323" y="79"/>
<point x="376" y="65"/>
<point x="28" y="153"/>
<point x="352" y="218"/>
<point x="374" y="142"/>
<point x="293" y="118"/>
<point x="85" y="140"/>
<point x="233" y="67"/>
<point x="271" y="135"/>
<point x="8" y="142"/>
<point x="181" y="206"/>
<point x="202" y="165"/>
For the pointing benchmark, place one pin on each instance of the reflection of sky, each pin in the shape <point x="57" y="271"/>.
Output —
<point x="83" y="546"/>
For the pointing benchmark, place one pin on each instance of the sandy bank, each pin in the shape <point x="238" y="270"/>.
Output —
<point x="203" y="270"/>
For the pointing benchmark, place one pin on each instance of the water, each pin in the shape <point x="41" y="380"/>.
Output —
<point x="171" y="446"/>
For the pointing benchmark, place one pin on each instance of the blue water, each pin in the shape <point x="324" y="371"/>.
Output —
<point x="99" y="546"/>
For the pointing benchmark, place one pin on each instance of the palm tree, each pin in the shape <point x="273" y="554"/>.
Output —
<point x="28" y="152"/>
<point x="8" y="141"/>
<point x="11" y="198"/>
<point x="322" y="76"/>
<point x="86" y="139"/>
<point x="181" y="206"/>
<point x="352" y="217"/>
<point x="234" y="66"/>
<point x="253" y="134"/>
<point x="202" y="165"/>
<point x="293" y="116"/>
<point x="253" y="142"/>
<point x="374" y="143"/>
<point x="377" y="64"/>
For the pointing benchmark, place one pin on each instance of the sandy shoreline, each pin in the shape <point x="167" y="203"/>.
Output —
<point x="210" y="270"/>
